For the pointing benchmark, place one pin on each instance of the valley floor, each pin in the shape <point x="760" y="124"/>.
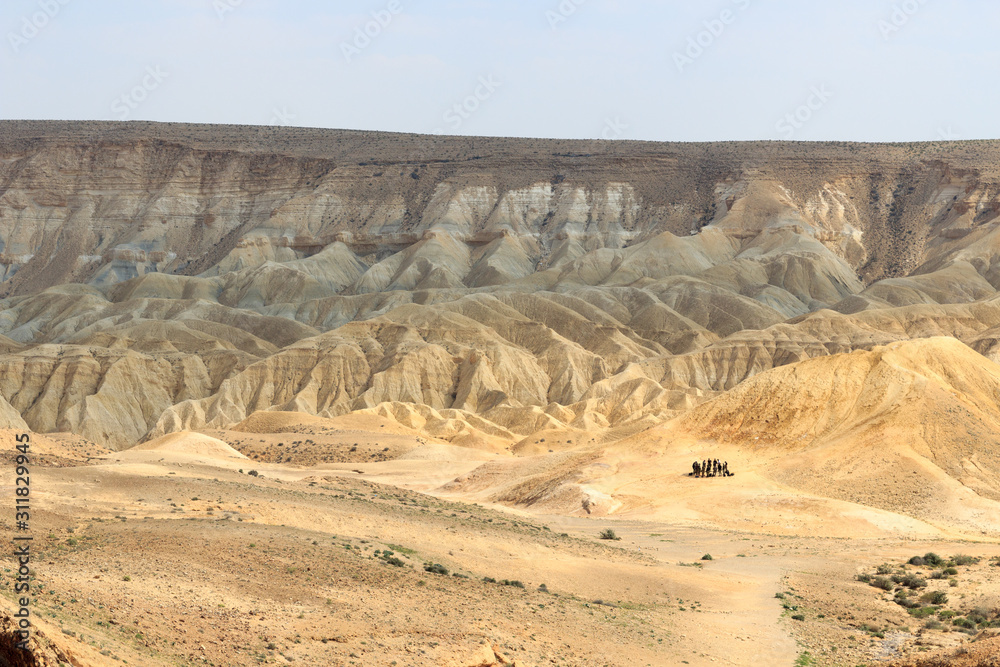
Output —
<point x="179" y="557"/>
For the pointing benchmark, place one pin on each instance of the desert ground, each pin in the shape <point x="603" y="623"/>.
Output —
<point x="332" y="397"/>
<point x="172" y="553"/>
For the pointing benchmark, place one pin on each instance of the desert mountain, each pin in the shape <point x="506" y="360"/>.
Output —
<point x="826" y="313"/>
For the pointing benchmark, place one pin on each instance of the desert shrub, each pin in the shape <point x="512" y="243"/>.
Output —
<point x="392" y="560"/>
<point x="707" y="557"/>
<point x="254" y="473"/>
<point x="962" y="559"/>
<point x="608" y="534"/>
<point x="863" y="577"/>
<point x="913" y="581"/>
<point x="798" y="617"/>
<point x="435" y="568"/>
<point x="923" y="612"/>
<point x="947" y="614"/>
<point x="934" y="597"/>
<point x="961" y="622"/>
<point x="882" y="582"/>
<point x="933" y="624"/>
<point x="933" y="559"/>
<point x="918" y="561"/>
<point x="938" y="574"/>
<point x="805" y="659"/>
<point x="489" y="580"/>
<point x="512" y="582"/>
<point x="979" y="615"/>
<point x="951" y="572"/>
<point x="872" y="630"/>
<point x="884" y="568"/>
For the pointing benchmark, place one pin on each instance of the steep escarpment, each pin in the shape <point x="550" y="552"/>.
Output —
<point x="101" y="203"/>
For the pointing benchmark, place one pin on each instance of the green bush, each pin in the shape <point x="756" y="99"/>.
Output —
<point x="962" y="559"/>
<point x="707" y="557"/>
<point x="798" y="617"/>
<point x="882" y="582"/>
<point x="918" y="561"/>
<point x="951" y="572"/>
<point x="979" y="615"/>
<point x="608" y="534"/>
<point x="933" y="559"/>
<point x="923" y="612"/>
<point x="435" y="568"/>
<point x="935" y="597"/>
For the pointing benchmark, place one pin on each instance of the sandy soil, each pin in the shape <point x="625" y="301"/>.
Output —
<point x="175" y="555"/>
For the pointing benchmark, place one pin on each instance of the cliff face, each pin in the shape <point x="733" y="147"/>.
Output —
<point x="520" y="283"/>
<point x="103" y="203"/>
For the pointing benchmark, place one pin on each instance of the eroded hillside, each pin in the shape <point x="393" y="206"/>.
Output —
<point x="481" y="292"/>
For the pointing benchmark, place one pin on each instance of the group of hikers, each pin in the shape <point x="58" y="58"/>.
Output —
<point x="711" y="468"/>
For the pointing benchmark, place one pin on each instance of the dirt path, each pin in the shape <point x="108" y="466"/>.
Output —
<point x="740" y="620"/>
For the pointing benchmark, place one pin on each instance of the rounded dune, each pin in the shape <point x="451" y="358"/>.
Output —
<point x="193" y="444"/>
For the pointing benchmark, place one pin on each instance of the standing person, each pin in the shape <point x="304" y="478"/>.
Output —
<point x="695" y="469"/>
<point x="725" y="469"/>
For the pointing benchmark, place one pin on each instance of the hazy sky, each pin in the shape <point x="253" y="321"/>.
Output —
<point x="871" y="70"/>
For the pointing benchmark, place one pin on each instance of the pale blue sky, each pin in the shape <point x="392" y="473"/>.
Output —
<point x="870" y="70"/>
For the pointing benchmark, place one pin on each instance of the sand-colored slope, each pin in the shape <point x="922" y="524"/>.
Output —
<point x="901" y="437"/>
<point x="191" y="444"/>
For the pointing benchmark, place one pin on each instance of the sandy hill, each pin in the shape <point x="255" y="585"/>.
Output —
<point x="190" y="444"/>
<point x="906" y="430"/>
